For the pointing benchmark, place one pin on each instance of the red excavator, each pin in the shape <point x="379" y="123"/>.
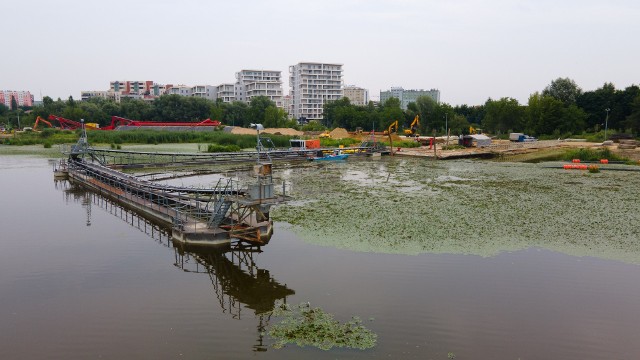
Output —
<point x="41" y="120"/>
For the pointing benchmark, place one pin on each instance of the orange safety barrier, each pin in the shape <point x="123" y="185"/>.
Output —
<point x="604" y="161"/>
<point x="574" y="167"/>
<point x="575" y="160"/>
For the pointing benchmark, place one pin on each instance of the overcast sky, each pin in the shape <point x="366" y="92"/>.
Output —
<point x="469" y="50"/>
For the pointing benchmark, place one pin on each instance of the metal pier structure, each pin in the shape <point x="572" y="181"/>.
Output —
<point x="136" y="159"/>
<point x="196" y="216"/>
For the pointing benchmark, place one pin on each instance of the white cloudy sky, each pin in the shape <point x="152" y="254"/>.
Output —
<point x="470" y="50"/>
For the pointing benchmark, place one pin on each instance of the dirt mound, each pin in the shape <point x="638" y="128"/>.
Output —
<point x="283" y="131"/>
<point x="276" y="131"/>
<point x="339" y="133"/>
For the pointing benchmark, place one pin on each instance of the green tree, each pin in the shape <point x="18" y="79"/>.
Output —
<point x="594" y="104"/>
<point x="235" y="113"/>
<point x="274" y="117"/>
<point x="257" y="110"/>
<point x="563" y="89"/>
<point x="391" y="112"/>
<point x="47" y="101"/>
<point x="333" y="112"/>
<point x="633" y="120"/>
<point x="71" y="102"/>
<point x="503" y="115"/>
<point x="93" y="113"/>
<point x="14" y="103"/>
<point x="458" y="124"/>
<point x="3" y="110"/>
<point x="544" y="114"/>
<point x="426" y="108"/>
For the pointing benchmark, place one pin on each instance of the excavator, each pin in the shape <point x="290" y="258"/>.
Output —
<point x="392" y="128"/>
<point x="38" y="121"/>
<point x="413" y="128"/>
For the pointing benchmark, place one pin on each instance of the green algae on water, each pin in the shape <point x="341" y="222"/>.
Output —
<point x="414" y="206"/>
<point x="306" y="326"/>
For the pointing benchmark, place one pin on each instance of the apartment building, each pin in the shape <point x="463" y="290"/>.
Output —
<point x="182" y="90"/>
<point x="252" y="83"/>
<point x="286" y="104"/>
<point x="407" y="96"/>
<point x="226" y="92"/>
<point x="23" y="98"/>
<point x="311" y="86"/>
<point x="204" y="91"/>
<point x="89" y="94"/>
<point x="356" y="95"/>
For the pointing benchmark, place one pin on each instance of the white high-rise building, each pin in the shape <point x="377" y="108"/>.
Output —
<point x="252" y="83"/>
<point x="204" y="91"/>
<point x="311" y="86"/>
<point x="226" y="93"/>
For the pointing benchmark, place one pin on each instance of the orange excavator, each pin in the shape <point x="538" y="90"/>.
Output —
<point x="38" y="121"/>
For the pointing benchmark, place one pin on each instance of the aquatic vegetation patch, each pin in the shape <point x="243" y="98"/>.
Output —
<point x="306" y="326"/>
<point x="466" y="207"/>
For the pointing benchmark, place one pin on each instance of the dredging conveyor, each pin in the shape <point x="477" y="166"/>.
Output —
<point x="209" y="216"/>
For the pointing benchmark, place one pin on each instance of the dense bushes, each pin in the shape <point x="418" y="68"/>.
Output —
<point x="592" y="155"/>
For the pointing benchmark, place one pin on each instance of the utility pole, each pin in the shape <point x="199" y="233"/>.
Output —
<point x="606" y="123"/>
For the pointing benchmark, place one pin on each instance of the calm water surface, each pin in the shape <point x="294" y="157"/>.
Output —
<point x="81" y="278"/>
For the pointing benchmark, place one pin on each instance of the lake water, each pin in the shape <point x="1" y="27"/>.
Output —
<point x="81" y="278"/>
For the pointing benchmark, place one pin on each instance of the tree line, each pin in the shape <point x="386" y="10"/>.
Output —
<point x="167" y="108"/>
<point x="560" y="110"/>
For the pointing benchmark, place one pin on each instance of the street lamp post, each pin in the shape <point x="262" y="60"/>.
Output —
<point x="446" y="124"/>
<point x="606" y="123"/>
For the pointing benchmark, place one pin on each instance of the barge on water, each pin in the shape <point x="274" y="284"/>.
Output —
<point x="197" y="216"/>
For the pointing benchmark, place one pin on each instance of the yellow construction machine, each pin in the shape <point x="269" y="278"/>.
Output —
<point x="413" y="128"/>
<point x="392" y="128"/>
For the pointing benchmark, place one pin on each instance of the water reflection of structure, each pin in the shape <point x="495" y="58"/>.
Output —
<point x="89" y="199"/>
<point x="237" y="281"/>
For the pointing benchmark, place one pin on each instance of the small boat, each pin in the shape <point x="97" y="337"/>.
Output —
<point x="336" y="155"/>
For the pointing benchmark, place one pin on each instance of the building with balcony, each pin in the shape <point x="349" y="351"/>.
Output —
<point x="356" y="95"/>
<point x="286" y="104"/>
<point x="23" y="98"/>
<point x="89" y="94"/>
<point x="226" y="92"/>
<point x="407" y="96"/>
<point x="182" y="90"/>
<point x="204" y="91"/>
<point x="311" y="86"/>
<point x="253" y="83"/>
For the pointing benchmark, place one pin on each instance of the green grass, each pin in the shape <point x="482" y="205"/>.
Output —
<point x="592" y="155"/>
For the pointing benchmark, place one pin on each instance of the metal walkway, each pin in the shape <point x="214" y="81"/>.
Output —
<point x="196" y="215"/>
<point x="125" y="159"/>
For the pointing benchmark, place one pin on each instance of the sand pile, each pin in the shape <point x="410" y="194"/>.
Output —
<point x="277" y="131"/>
<point x="339" y="133"/>
<point x="283" y="131"/>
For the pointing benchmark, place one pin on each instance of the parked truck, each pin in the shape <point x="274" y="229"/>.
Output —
<point x="520" y="137"/>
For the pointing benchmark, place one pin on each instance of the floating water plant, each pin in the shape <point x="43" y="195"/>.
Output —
<point x="412" y="206"/>
<point x="306" y="326"/>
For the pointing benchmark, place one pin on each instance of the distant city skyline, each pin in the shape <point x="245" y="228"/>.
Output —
<point x="469" y="50"/>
